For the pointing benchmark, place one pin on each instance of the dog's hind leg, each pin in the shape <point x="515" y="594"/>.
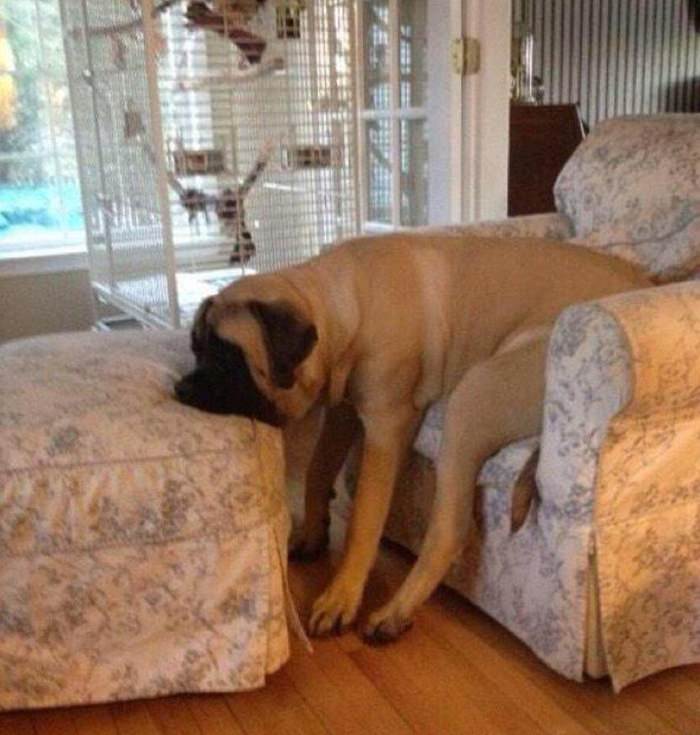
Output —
<point x="341" y="428"/>
<point x="496" y="402"/>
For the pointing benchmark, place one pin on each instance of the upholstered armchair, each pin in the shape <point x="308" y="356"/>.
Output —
<point x="602" y="573"/>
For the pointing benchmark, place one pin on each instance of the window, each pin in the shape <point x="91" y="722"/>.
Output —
<point x="40" y="205"/>
<point x="393" y="126"/>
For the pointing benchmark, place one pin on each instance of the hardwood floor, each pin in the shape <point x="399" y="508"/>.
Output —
<point x="455" y="671"/>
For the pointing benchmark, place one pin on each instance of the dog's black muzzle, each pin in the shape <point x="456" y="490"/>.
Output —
<point x="218" y="390"/>
<point x="205" y="390"/>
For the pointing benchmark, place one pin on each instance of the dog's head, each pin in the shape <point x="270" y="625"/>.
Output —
<point x="248" y="357"/>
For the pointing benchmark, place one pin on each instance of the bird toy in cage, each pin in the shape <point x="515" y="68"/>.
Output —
<point x="133" y="121"/>
<point x="194" y="201"/>
<point x="229" y="206"/>
<point x="230" y="209"/>
<point x="228" y="19"/>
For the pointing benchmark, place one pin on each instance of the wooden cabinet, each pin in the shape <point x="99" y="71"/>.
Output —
<point x="542" y="137"/>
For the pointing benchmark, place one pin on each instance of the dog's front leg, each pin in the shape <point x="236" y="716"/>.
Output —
<point x="386" y="439"/>
<point x="341" y="428"/>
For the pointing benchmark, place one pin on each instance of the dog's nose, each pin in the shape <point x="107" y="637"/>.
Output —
<point x="184" y="390"/>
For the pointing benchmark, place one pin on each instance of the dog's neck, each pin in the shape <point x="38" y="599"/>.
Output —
<point x="332" y="305"/>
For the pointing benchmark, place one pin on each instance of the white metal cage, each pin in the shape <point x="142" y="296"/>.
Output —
<point x="215" y="138"/>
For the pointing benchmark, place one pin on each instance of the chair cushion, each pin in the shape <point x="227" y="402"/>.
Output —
<point x="632" y="188"/>
<point x="139" y="538"/>
<point x="499" y="471"/>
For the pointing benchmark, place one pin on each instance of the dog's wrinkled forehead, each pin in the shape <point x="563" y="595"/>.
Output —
<point x="249" y="356"/>
<point x="274" y="337"/>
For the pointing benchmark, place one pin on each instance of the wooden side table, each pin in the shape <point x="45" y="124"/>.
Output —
<point x="542" y="137"/>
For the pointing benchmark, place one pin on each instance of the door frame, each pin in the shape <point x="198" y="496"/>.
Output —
<point x="479" y="114"/>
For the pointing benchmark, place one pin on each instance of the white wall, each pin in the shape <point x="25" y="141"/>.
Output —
<point x="43" y="303"/>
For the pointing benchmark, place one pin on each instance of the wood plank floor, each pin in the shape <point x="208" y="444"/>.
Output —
<point x="455" y="671"/>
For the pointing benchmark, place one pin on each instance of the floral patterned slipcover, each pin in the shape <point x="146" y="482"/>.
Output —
<point x="604" y="574"/>
<point x="632" y="188"/>
<point x="142" y="543"/>
<point x="647" y="500"/>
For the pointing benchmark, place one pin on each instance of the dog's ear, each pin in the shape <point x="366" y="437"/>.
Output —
<point x="289" y="338"/>
<point x="200" y="328"/>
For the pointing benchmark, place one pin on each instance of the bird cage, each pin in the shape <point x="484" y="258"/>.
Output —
<point x="215" y="138"/>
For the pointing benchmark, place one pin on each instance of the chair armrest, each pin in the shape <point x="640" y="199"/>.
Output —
<point x="588" y="381"/>
<point x="646" y="510"/>
<point x="648" y="468"/>
<point x="662" y="326"/>
<point x="622" y="395"/>
<point x="551" y="225"/>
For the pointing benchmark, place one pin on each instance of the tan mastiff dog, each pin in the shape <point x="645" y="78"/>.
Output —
<point x="378" y="328"/>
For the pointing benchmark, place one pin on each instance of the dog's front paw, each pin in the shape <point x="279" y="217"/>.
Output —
<point x="335" y="610"/>
<point x="385" y="625"/>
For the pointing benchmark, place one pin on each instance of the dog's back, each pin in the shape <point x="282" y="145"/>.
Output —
<point x="456" y="300"/>
<point x="402" y="317"/>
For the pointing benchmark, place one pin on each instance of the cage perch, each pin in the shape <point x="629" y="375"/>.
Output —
<point x="265" y="67"/>
<point x="198" y="162"/>
<point x="200" y="15"/>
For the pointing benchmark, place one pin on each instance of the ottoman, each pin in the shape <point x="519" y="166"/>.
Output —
<point x="142" y="542"/>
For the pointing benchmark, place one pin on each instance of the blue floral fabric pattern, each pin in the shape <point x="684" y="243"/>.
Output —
<point x="141" y="541"/>
<point x="632" y="189"/>
<point x="647" y="501"/>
